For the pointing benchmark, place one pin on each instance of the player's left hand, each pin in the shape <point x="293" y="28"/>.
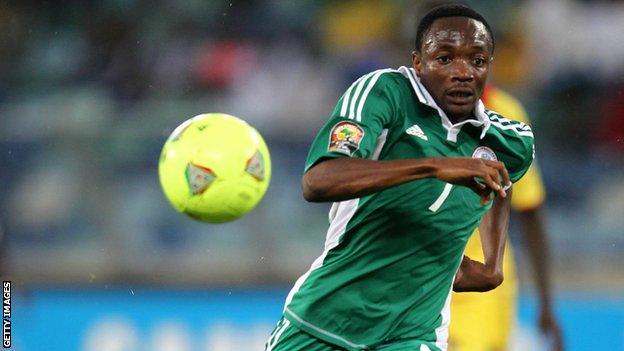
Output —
<point x="550" y="330"/>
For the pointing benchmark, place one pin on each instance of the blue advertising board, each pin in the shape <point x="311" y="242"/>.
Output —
<point x="156" y="319"/>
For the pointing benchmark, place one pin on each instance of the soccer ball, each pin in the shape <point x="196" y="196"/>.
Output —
<point x="214" y="167"/>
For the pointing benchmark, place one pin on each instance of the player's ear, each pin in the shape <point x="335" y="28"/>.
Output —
<point x="416" y="62"/>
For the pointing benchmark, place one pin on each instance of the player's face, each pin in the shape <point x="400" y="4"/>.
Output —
<point x="453" y="64"/>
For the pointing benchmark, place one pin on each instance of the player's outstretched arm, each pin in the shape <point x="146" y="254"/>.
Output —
<point x="477" y="276"/>
<point x="347" y="178"/>
<point x="539" y="253"/>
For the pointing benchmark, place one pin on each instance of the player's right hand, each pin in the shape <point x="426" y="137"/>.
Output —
<point x="482" y="176"/>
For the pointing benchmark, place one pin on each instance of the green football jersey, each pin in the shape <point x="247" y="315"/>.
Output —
<point x="390" y="258"/>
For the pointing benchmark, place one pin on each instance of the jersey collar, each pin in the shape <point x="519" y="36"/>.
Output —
<point x="480" y="120"/>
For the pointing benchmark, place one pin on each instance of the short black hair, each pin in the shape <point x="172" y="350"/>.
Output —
<point x="449" y="10"/>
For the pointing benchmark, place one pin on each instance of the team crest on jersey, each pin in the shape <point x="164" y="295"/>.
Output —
<point x="485" y="153"/>
<point x="345" y="137"/>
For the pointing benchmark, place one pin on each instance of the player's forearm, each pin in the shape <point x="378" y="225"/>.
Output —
<point x="493" y="232"/>
<point x="481" y="277"/>
<point x="538" y="251"/>
<point x="474" y="276"/>
<point x="347" y="178"/>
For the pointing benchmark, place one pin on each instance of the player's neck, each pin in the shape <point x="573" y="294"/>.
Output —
<point x="459" y="119"/>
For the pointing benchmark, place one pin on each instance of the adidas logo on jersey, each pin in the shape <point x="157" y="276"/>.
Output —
<point x="416" y="131"/>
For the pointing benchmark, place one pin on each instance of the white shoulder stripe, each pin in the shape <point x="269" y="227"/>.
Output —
<point x="516" y="128"/>
<point x="350" y="98"/>
<point x="501" y="120"/>
<point x="527" y="134"/>
<point x="510" y="123"/>
<point x="358" y="89"/>
<point x="345" y="99"/>
<point x="370" y="86"/>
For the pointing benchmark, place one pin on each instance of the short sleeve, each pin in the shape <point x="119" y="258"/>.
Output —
<point x="513" y="143"/>
<point x="358" y="120"/>
<point x="525" y="153"/>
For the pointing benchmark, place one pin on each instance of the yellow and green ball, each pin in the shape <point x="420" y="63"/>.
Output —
<point x="214" y="167"/>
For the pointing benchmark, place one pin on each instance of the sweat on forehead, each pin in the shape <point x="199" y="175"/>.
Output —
<point x="456" y="29"/>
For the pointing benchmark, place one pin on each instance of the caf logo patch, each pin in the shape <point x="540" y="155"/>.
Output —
<point x="485" y="153"/>
<point x="345" y="137"/>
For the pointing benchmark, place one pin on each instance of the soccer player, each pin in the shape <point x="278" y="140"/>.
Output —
<point x="414" y="163"/>
<point x="483" y="322"/>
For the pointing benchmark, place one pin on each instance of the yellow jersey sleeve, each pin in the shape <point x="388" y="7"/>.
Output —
<point x="528" y="192"/>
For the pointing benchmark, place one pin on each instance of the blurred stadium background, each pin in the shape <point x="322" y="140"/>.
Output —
<point x="89" y="90"/>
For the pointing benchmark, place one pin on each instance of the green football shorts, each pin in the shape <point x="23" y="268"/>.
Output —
<point x="287" y="337"/>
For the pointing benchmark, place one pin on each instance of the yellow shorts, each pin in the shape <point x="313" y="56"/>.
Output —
<point x="484" y="321"/>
